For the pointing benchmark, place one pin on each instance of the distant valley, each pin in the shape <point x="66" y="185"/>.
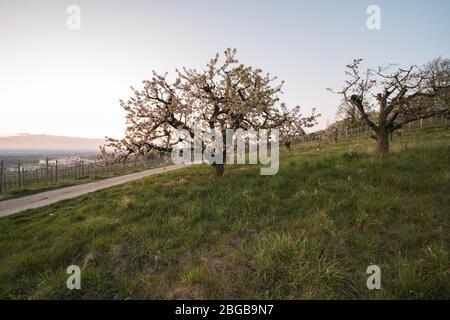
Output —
<point x="30" y="144"/>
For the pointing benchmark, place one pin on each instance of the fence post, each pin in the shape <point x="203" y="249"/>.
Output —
<point x="46" y="171"/>
<point x="56" y="171"/>
<point x="1" y="176"/>
<point x="19" y="174"/>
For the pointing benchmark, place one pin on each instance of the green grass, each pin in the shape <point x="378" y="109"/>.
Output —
<point x="309" y="232"/>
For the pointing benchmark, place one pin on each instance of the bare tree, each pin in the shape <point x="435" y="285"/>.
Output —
<point x="349" y="116"/>
<point x="292" y="130"/>
<point x="399" y="95"/>
<point x="226" y="95"/>
<point x="347" y="112"/>
<point x="334" y="129"/>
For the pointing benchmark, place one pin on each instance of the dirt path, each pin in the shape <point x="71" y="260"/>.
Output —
<point x="12" y="206"/>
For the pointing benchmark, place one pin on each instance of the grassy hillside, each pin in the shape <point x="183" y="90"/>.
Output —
<point x="311" y="231"/>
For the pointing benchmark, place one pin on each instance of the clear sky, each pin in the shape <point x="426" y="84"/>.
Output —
<point x="68" y="82"/>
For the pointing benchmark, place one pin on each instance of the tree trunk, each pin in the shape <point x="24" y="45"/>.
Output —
<point x="288" y="146"/>
<point x="383" y="141"/>
<point x="220" y="169"/>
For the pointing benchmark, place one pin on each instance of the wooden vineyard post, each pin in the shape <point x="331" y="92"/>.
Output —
<point x="46" y="171"/>
<point x="18" y="171"/>
<point x="56" y="171"/>
<point x="1" y="176"/>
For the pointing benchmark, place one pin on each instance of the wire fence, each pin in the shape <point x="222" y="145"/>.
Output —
<point x="17" y="175"/>
<point x="345" y="133"/>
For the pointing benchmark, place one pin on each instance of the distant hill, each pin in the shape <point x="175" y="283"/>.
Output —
<point x="49" y="142"/>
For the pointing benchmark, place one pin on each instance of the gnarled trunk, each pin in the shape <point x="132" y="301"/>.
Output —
<point x="383" y="141"/>
<point x="220" y="169"/>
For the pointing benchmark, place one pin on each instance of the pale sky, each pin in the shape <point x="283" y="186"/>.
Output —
<point x="62" y="82"/>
